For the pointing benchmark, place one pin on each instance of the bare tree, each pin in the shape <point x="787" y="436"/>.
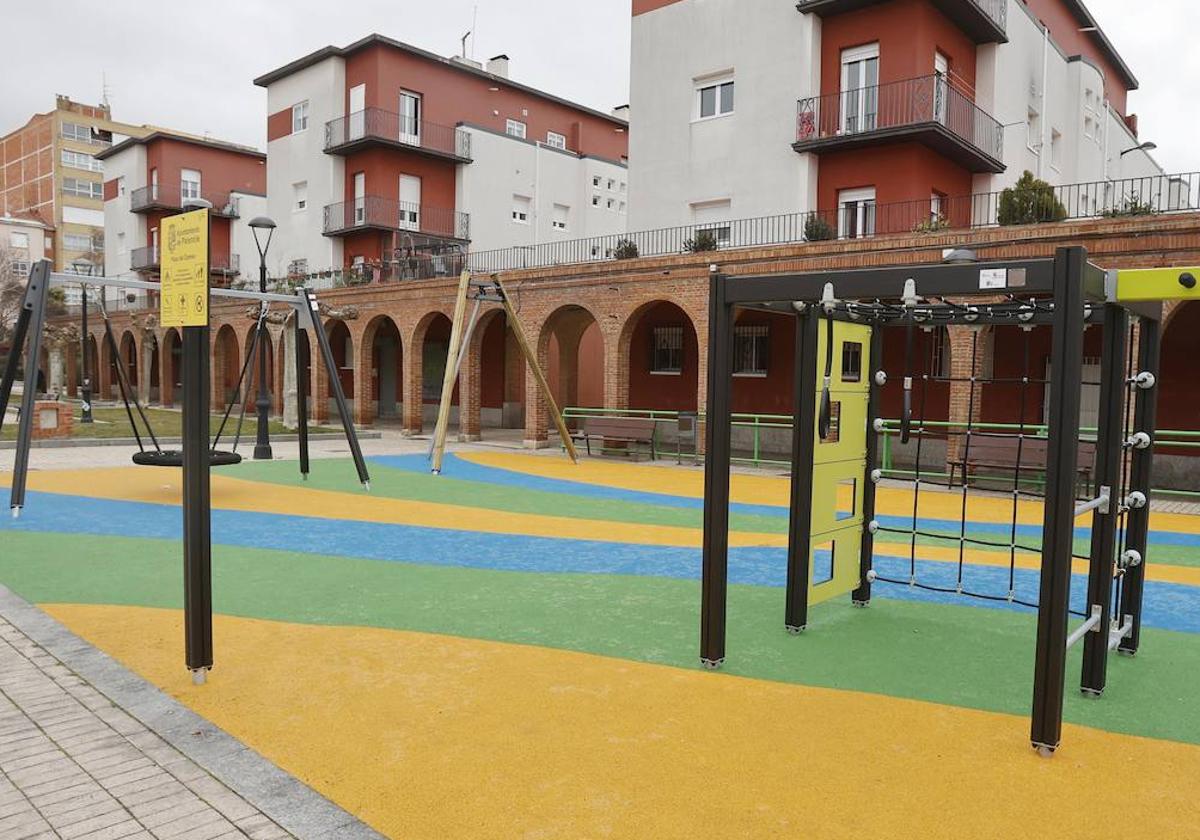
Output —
<point x="12" y="285"/>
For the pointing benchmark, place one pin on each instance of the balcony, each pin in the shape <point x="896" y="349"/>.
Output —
<point x="168" y="198"/>
<point x="928" y="110"/>
<point x="984" y="21"/>
<point x="375" y="127"/>
<point x="384" y="214"/>
<point x="147" y="259"/>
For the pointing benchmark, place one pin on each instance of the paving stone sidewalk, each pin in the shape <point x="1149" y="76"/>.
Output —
<point x="75" y="765"/>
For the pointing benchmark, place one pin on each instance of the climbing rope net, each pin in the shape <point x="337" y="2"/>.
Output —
<point x="1025" y="445"/>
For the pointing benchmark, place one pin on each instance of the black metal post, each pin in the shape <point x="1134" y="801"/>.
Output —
<point x="262" y="445"/>
<point x="1110" y="454"/>
<point x="197" y="503"/>
<point x="1141" y="470"/>
<point x="715" y="567"/>
<point x="31" y="324"/>
<point x="302" y="357"/>
<point x="86" y="378"/>
<point x="804" y="424"/>
<point x="1058" y="526"/>
<point x="862" y="596"/>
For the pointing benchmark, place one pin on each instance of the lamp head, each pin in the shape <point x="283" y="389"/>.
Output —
<point x="262" y="223"/>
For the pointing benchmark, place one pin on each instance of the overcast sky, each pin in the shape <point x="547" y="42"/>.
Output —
<point x="192" y="71"/>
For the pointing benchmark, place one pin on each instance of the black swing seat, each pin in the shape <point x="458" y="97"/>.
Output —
<point x="174" y="458"/>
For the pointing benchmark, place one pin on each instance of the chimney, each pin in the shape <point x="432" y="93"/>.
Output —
<point x="1132" y="122"/>
<point x="498" y="66"/>
<point x="621" y="112"/>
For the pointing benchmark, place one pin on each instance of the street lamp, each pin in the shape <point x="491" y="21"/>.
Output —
<point x="262" y="446"/>
<point x="84" y="267"/>
<point x="1148" y="146"/>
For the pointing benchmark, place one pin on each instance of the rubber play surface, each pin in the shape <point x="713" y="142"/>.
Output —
<point x="511" y="650"/>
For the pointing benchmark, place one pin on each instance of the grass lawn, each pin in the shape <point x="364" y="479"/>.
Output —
<point x="112" y="423"/>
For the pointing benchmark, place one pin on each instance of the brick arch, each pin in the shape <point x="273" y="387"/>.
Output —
<point x="482" y="369"/>
<point x="226" y="366"/>
<point x="268" y="346"/>
<point x="372" y="368"/>
<point x="414" y="369"/>
<point x="169" y="365"/>
<point x="130" y="353"/>
<point x="336" y="333"/>
<point x="1178" y="405"/>
<point x="674" y="391"/>
<point x="565" y="328"/>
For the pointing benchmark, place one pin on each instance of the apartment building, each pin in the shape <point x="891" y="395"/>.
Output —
<point x="848" y="106"/>
<point x="23" y="241"/>
<point x="153" y="176"/>
<point x="391" y="159"/>
<point x="50" y="168"/>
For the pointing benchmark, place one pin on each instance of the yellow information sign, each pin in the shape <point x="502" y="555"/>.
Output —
<point x="184" y="243"/>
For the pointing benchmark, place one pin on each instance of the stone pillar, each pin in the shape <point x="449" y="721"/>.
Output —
<point x="414" y="400"/>
<point x="470" y="385"/>
<point x="537" y="414"/>
<point x="145" y="356"/>
<point x="56" y="375"/>
<point x="291" y="415"/>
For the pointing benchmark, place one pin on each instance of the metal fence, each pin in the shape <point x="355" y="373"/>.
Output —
<point x="1097" y="199"/>
<point x="376" y="124"/>
<point x="385" y="213"/>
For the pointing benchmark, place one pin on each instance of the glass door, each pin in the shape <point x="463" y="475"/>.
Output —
<point x="410" y="118"/>
<point x="941" y="86"/>
<point x="860" y="89"/>
<point x="410" y="202"/>
<point x="357" y="122"/>
<point x="360" y="197"/>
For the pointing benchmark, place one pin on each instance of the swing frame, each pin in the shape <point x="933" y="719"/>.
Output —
<point x="1072" y="293"/>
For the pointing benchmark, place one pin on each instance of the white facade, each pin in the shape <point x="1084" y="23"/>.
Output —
<point x="521" y="192"/>
<point x="22" y="243"/>
<point x="685" y="168"/>
<point x="689" y="168"/>
<point x="299" y="158"/>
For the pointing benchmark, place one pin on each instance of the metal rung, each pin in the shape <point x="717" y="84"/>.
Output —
<point x="1116" y="634"/>
<point x="1100" y="503"/>
<point x="1091" y="625"/>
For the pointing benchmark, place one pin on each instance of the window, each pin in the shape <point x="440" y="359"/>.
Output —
<point x="621" y="208"/>
<point x="514" y="128"/>
<point x="596" y="181"/>
<point x="78" y="160"/>
<point x="714" y="98"/>
<point x="937" y="209"/>
<point x="189" y="184"/>
<point x="612" y="184"/>
<point x="822" y="562"/>
<point x="711" y="217"/>
<point x="860" y="88"/>
<point x="561" y="217"/>
<point x="410" y="117"/>
<point x="940" y="361"/>
<point x="856" y="213"/>
<point x="555" y="140"/>
<point x="751" y="345"/>
<point x="77" y="132"/>
<point x="300" y="116"/>
<point x="77" y="242"/>
<point x="19" y="240"/>
<point x="121" y="242"/>
<point x="82" y="189"/>
<point x="1033" y="130"/>
<point x="19" y="268"/>
<point x="666" y="350"/>
<point x="835" y="423"/>
<point x="610" y="203"/>
<point x="624" y="186"/>
<point x="851" y="361"/>
<point x="1056" y="145"/>
<point x="300" y="196"/>
<point x="1088" y="127"/>
<point x="521" y="208"/>
<point x="595" y="200"/>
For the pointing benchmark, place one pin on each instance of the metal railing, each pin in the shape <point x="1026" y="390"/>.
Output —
<point x="377" y="212"/>
<point x="141" y="259"/>
<point x="924" y="101"/>
<point x="171" y="197"/>
<point x="378" y="124"/>
<point x="1129" y="197"/>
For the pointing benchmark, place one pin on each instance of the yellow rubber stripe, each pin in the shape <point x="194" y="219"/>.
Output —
<point x="162" y="486"/>
<point x="434" y="736"/>
<point x="774" y="489"/>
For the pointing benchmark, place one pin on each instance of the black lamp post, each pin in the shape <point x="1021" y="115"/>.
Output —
<point x="262" y="446"/>
<point x="86" y="388"/>
<point x="1148" y="146"/>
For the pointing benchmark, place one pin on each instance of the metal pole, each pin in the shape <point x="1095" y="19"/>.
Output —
<point x="862" y="596"/>
<point x="302" y="368"/>
<point x="87" y="370"/>
<point x="1141" y="470"/>
<point x="197" y="504"/>
<point x="1110" y="454"/>
<point x="804" y="433"/>
<point x="32" y="320"/>
<point x="1058" y="526"/>
<point x="262" y="446"/>
<point x="715" y="566"/>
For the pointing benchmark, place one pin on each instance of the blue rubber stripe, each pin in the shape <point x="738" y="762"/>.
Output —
<point x="459" y="468"/>
<point x="1169" y="606"/>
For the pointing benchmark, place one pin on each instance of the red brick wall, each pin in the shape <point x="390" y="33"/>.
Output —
<point x="771" y="394"/>
<point x="672" y="392"/>
<point x="220" y="170"/>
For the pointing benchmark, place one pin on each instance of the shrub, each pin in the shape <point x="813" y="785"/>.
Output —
<point x="1131" y="207"/>
<point x="626" y="249"/>
<point x="932" y="224"/>
<point x="704" y="240"/>
<point x="816" y="229"/>
<point x="1030" y="201"/>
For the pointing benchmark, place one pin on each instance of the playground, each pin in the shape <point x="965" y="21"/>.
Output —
<point x="509" y="649"/>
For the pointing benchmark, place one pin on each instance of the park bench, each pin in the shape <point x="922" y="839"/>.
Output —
<point x="1000" y="453"/>
<point x="631" y="431"/>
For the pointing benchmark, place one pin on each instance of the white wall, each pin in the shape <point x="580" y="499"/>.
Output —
<point x="241" y="237"/>
<point x="675" y="162"/>
<point x="124" y="230"/>
<point x="300" y="157"/>
<point x="504" y="167"/>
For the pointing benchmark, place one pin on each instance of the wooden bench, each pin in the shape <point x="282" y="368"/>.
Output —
<point x="627" y="430"/>
<point x="1000" y="453"/>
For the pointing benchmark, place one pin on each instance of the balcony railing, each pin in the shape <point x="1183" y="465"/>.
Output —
<point x="171" y="197"/>
<point x="985" y="21"/>
<point x="376" y="126"/>
<point x="928" y="107"/>
<point x="147" y="259"/>
<point x="377" y="213"/>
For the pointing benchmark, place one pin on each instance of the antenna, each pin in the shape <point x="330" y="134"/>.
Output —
<point x="104" y="89"/>
<point x="474" y="28"/>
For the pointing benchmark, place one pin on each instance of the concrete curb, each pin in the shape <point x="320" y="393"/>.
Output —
<point x="294" y="806"/>
<point x="69" y="443"/>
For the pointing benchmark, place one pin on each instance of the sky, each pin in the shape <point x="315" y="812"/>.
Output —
<point x="193" y="72"/>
